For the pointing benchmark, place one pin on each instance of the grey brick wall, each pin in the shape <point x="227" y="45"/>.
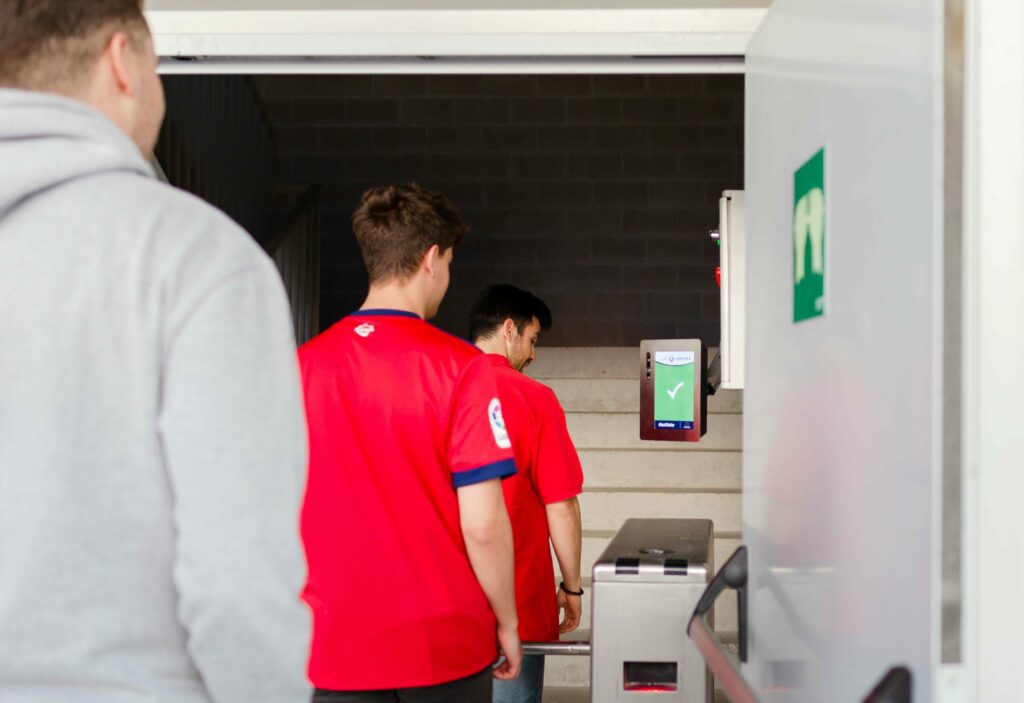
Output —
<point x="595" y="192"/>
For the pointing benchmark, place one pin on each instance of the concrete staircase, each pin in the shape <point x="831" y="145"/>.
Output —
<point x="625" y="477"/>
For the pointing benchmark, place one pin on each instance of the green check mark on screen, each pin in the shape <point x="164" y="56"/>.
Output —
<point x="673" y="381"/>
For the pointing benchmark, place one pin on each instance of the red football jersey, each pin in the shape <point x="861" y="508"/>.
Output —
<point x="400" y="415"/>
<point x="549" y="472"/>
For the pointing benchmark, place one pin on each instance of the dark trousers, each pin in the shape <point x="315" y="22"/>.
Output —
<point x="472" y="689"/>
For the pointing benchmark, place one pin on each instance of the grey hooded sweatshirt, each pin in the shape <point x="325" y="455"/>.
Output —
<point x="152" y="443"/>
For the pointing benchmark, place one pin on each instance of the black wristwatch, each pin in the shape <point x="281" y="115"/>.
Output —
<point x="561" y="587"/>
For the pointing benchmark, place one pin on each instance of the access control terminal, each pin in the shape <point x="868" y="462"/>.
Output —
<point x="673" y="390"/>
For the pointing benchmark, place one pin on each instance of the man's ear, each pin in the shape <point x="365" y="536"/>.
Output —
<point x="430" y="259"/>
<point x="508" y="329"/>
<point x="118" y="61"/>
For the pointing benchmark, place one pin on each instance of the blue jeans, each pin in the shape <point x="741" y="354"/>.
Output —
<point x="527" y="688"/>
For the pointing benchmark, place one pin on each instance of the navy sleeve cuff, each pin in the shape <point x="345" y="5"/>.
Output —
<point x="498" y="469"/>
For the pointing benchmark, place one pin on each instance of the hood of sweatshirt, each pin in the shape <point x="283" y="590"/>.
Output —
<point x="47" y="140"/>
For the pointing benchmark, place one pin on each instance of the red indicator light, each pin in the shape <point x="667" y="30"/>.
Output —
<point x="718" y="276"/>
<point x="650" y="687"/>
<point x="650" y="677"/>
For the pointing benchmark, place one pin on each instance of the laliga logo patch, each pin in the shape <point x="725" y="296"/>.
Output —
<point x="364" y="330"/>
<point x="498" y="424"/>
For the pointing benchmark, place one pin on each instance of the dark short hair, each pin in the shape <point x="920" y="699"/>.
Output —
<point x="53" y="44"/>
<point x="502" y="302"/>
<point x="396" y="225"/>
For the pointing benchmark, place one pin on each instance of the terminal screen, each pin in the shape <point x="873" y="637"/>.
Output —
<point x="674" y="389"/>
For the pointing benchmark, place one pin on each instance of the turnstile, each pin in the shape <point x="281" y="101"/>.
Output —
<point x="646" y="586"/>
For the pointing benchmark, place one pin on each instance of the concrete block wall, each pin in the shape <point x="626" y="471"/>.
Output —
<point x="626" y="477"/>
<point x="595" y="192"/>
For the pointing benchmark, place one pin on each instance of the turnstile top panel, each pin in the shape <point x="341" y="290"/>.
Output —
<point x="658" y="550"/>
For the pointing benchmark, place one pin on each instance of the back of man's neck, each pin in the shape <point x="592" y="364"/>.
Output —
<point x="491" y="345"/>
<point x="394" y="296"/>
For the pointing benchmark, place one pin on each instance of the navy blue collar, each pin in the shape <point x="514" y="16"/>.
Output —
<point x="385" y="312"/>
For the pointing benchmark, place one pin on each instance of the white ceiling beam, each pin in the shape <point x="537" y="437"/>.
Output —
<point x="701" y="65"/>
<point x="597" y="30"/>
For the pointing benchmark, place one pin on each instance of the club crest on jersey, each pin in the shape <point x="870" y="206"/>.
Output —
<point x="498" y="424"/>
<point x="364" y="330"/>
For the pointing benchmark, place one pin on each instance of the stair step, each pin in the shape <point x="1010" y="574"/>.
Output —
<point x="589" y="362"/>
<point x="622" y="431"/>
<point x="696" y="470"/>
<point x="623" y="395"/>
<point x="608" y="511"/>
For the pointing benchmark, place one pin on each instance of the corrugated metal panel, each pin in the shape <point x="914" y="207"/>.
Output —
<point x="216" y="144"/>
<point x="296" y="251"/>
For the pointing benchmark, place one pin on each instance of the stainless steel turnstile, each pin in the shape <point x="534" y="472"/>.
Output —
<point x="646" y="586"/>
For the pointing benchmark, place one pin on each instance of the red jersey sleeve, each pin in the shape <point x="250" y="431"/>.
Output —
<point x="559" y="475"/>
<point x="478" y="443"/>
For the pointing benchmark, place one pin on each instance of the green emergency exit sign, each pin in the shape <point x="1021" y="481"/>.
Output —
<point x="809" y="239"/>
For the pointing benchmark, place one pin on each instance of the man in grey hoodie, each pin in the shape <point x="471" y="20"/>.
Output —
<point x="152" y="444"/>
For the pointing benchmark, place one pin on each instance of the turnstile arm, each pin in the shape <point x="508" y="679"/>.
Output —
<point x="723" y="665"/>
<point x="581" y="649"/>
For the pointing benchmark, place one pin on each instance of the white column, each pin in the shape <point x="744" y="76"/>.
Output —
<point x="994" y="349"/>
